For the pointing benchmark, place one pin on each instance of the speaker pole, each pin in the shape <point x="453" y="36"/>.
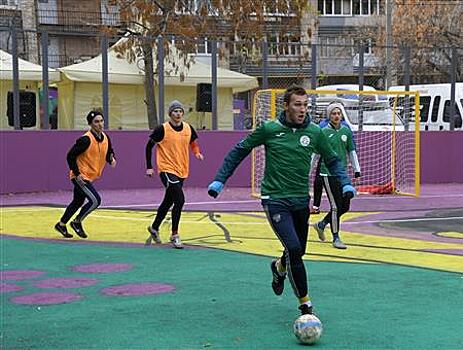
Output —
<point x="161" y="83"/>
<point x="214" y="84"/>
<point x="14" y="42"/>
<point x="46" y="112"/>
<point x="105" y="80"/>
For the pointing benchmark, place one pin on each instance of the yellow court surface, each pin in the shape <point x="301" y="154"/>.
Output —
<point x="246" y="232"/>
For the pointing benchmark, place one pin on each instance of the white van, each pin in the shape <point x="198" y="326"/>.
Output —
<point x="435" y="105"/>
<point x="377" y="112"/>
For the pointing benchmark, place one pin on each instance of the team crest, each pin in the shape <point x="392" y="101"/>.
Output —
<point x="344" y="138"/>
<point x="304" y="140"/>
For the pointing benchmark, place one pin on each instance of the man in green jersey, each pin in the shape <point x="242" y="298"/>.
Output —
<point x="341" y="139"/>
<point x="289" y="143"/>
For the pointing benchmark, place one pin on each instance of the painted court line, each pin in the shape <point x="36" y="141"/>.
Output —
<point x="265" y="223"/>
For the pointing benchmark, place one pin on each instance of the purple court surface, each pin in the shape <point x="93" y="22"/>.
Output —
<point x="433" y="196"/>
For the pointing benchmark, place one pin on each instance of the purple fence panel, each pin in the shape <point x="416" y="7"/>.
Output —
<point x="36" y="160"/>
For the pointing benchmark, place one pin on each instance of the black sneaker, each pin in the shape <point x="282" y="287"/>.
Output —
<point x="278" y="281"/>
<point x="306" y="309"/>
<point x="63" y="230"/>
<point x="77" y="227"/>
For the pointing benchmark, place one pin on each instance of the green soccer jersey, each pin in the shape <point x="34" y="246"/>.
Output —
<point x="342" y="143"/>
<point x="288" y="154"/>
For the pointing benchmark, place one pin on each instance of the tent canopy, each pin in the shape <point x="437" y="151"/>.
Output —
<point x="27" y="70"/>
<point x="121" y="71"/>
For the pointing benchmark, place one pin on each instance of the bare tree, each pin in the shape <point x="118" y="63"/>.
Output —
<point x="430" y="29"/>
<point x="145" y="20"/>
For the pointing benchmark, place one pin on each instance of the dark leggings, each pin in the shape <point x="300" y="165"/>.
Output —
<point x="81" y="192"/>
<point x="291" y="227"/>
<point x="339" y="205"/>
<point x="173" y="195"/>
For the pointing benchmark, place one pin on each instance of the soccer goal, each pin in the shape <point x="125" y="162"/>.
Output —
<point x="386" y="133"/>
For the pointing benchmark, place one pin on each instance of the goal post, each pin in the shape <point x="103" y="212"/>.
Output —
<point x="386" y="133"/>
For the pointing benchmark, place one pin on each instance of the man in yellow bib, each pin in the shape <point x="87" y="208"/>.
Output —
<point x="86" y="160"/>
<point x="173" y="140"/>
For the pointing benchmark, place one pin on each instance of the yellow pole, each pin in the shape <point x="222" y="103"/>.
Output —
<point x="417" y="144"/>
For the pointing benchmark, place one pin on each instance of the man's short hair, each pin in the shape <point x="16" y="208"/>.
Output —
<point x="293" y="90"/>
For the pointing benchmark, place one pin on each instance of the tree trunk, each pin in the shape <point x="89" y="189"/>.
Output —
<point x="149" y="85"/>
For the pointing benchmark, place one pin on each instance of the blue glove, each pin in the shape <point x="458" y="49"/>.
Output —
<point x="348" y="191"/>
<point x="215" y="187"/>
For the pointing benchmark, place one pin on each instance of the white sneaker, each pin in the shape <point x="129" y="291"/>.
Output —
<point x="337" y="243"/>
<point x="320" y="231"/>
<point x="176" y="242"/>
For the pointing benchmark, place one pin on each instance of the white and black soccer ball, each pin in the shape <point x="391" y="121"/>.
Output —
<point x="308" y="329"/>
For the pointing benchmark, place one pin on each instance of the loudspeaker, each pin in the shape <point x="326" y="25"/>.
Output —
<point x="204" y="97"/>
<point x="27" y="109"/>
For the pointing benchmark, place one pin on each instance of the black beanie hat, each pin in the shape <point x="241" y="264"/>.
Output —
<point x="91" y="115"/>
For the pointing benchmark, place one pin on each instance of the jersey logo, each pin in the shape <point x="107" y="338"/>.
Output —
<point x="280" y="134"/>
<point x="304" y="140"/>
<point x="331" y="135"/>
<point x="344" y="138"/>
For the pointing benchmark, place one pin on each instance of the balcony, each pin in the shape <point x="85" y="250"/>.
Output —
<point x="281" y="66"/>
<point x="77" y="20"/>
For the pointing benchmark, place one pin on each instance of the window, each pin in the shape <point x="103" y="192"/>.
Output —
<point x="284" y="46"/>
<point x="348" y="7"/>
<point x="368" y="47"/>
<point x="425" y="102"/>
<point x="9" y="2"/>
<point x="435" y="109"/>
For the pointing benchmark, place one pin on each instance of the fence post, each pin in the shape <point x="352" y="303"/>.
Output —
<point x="45" y="80"/>
<point x="265" y="64"/>
<point x="160" y="71"/>
<point x="105" y="81"/>
<point x="214" y="84"/>
<point x="313" y="77"/>
<point x="453" y="79"/>
<point x="16" y="117"/>
<point x="407" y="87"/>
<point x="361" y="82"/>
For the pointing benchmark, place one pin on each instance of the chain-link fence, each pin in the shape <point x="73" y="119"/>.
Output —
<point x="62" y="75"/>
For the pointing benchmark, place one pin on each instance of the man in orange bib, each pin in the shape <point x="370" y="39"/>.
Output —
<point x="173" y="139"/>
<point x="86" y="160"/>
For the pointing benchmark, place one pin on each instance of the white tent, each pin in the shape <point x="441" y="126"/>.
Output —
<point x="30" y="77"/>
<point x="81" y="90"/>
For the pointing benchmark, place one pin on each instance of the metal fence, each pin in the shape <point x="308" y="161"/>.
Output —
<point x="199" y="73"/>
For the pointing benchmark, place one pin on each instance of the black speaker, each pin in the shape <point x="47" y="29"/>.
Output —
<point x="27" y="109"/>
<point x="204" y="97"/>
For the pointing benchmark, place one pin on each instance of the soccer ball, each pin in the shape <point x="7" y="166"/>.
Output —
<point x="308" y="329"/>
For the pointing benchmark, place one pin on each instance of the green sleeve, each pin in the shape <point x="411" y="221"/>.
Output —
<point x="239" y="152"/>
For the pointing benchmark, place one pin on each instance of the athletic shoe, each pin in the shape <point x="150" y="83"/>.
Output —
<point x="176" y="242"/>
<point x="314" y="210"/>
<point x="306" y="309"/>
<point x="77" y="227"/>
<point x="63" y="230"/>
<point x="154" y="235"/>
<point x="320" y="231"/>
<point x="337" y="243"/>
<point x="278" y="281"/>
